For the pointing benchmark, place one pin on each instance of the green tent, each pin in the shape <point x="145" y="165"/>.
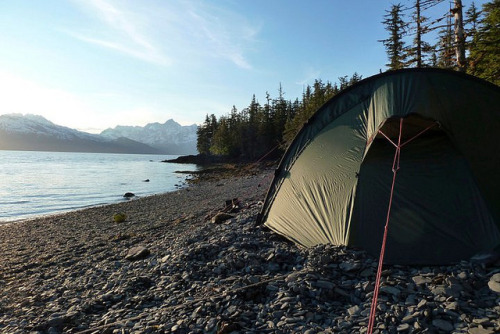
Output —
<point x="333" y="184"/>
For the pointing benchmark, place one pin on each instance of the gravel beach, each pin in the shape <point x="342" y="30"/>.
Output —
<point x="175" y="266"/>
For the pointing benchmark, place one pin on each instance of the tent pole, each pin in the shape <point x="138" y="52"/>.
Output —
<point x="395" y="168"/>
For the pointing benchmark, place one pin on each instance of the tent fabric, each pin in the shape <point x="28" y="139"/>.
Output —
<point x="333" y="183"/>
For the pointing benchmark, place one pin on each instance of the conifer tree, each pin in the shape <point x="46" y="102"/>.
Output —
<point x="281" y="116"/>
<point x="312" y="99"/>
<point x="265" y="131"/>
<point x="355" y="78"/>
<point x="420" y="51"/>
<point x="484" y="57"/>
<point x="395" y="45"/>
<point x="444" y="47"/>
<point x="471" y="21"/>
<point x="205" y="134"/>
<point x="419" y="48"/>
<point x="249" y="139"/>
<point x="222" y="141"/>
<point x="471" y="24"/>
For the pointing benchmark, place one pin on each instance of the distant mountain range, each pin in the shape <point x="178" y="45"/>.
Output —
<point x="35" y="133"/>
<point x="167" y="137"/>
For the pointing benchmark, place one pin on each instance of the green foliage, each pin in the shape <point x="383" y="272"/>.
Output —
<point x="395" y="46"/>
<point x="312" y="99"/>
<point x="260" y="129"/>
<point x="420" y="51"/>
<point x="205" y="133"/>
<point x="445" y="57"/>
<point x="484" y="57"/>
<point x="223" y="139"/>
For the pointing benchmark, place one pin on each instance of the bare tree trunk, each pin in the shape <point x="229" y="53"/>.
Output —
<point x="459" y="36"/>
<point x="419" y="36"/>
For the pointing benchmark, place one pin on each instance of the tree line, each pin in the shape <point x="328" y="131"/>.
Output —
<point x="467" y="40"/>
<point x="265" y="129"/>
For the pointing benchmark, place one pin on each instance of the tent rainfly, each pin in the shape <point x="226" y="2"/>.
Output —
<point x="333" y="184"/>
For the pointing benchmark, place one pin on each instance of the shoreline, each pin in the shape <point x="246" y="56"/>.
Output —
<point x="75" y="244"/>
<point x="209" y="173"/>
<point x="90" y="206"/>
<point x="190" y="177"/>
<point x="168" y="269"/>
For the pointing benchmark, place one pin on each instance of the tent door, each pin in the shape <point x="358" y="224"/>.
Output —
<point x="437" y="209"/>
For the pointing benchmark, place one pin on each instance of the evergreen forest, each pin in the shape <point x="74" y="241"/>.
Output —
<point x="462" y="39"/>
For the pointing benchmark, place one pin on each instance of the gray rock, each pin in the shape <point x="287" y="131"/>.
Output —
<point x="421" y="303"/>
<point x="137" y="253"/>
<point x="410" y="318"/>
<point x="481" y="321"/>
<point x="443" y="325"/>
<point x="403" y="327"/>
<point x="348" y="266"/>
<point x="480" y="330"/>
<point x="439" y="290"/>
<point x="322" y="284"/>
<point x="53" y="330"/>
<point x="390" y="290"/>
<point x="419" y="280"/>
<point x="494" y="283"/>
<point x="353" y="310"/>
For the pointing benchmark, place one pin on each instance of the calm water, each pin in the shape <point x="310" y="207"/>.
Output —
<point x="41" y="183"/>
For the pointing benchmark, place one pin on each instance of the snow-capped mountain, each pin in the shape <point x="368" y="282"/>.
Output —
<point x="169" y="137"/>
<point x="35" y="124"/>
<point x="35" y="133"/>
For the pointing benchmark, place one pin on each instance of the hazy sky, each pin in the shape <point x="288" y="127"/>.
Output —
<point x="93" y="64"/>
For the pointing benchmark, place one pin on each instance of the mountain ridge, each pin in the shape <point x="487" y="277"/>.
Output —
<point x="35" y="133"/>
<point x="169" y="136"/>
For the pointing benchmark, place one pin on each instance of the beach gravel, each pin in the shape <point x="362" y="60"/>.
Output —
<point x="167" y="268"/>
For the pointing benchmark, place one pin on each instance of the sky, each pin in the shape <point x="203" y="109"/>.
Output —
<point x="95" y="64"/>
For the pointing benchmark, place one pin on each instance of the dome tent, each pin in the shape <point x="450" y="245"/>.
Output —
<point x="334" y="181"/>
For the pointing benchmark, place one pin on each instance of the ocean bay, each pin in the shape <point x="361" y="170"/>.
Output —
<point x="40" y="183"/>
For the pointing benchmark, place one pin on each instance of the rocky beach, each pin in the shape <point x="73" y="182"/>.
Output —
<point x="193" y="261"/>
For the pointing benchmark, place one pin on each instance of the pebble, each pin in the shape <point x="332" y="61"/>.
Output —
<point x="403" y="327"/>
<point x="64" y="275"/>
<point x="494" y="283"/>
<point x="480" y="330"/>
<point x="419" y="280"/>
<point x="353" y="310"/>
